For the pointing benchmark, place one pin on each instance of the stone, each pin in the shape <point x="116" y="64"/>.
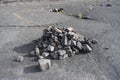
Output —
<point x="32" y="53"/>
<point x="61" y="52"/>
<point x="69" y="51"/>
<point x="58" y="30"/>
<point x="20" y="58"/>
<point x="94" y="41"/>
<point x="81" y="37"/>
<point x="87" y="48"/>
<point x="40" y="57"/>
<point x="51" y="48"/>
<point x="69" y="42"/>
<point x="44" y="64"/>
<point x="79" y="46"/>
<point x="55" y="39"/>
<point x="63" y="57"/>
<point x="59" y="46"/>
<point x="75" y="50"/>
<point x="54" y="55"/>
<point x="44" y="45"/>
<point x="54" y="44"/>
<point x="65" y="41"/>
<point x="45" y="54"/>
<point x="73" y="43"/>
<point x="50" y="28"/>
<point x="56" y="10"/>
<point x="71" y="33"/>
<point x="60" y="10"/>
<point x="37" y="51"/>
<point x="70" y="29"/>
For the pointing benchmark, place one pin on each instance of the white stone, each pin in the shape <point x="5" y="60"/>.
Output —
<point x="45" y="54"/>
<point x="70" y="29"/>
<point x="88" y="48"/>
<point x="44" y="64"/>
<point x="51" y="48"/>
<point x="37" y="51"/>
<point x="20" y="58"/>
<point x="62" y="52"/>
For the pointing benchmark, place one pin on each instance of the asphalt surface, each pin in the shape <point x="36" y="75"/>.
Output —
<point x="23" y="22"/>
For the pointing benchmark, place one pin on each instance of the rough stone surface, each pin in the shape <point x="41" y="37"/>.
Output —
<point x="44" y="64"/>
<point x="45" y="54"/>
<point x="62" y="52"/>
<point x="51" y="48"/>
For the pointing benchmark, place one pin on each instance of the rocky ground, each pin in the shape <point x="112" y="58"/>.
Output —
<point x="19" y="27"/>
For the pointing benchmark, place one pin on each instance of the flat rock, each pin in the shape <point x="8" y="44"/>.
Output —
<point x="61" y="52"/>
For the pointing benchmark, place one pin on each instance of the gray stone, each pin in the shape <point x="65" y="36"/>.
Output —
<point x="59" y="46"/>
<point x="44" y="45"/>
<point x="61" y="52"/>
<point x="94" y="41"/>
<point x="32" y="53"/>
<point x="71" y="33"/>
<point x="20" y="58"/>
<point x="87" y="48"/>
<point x="54" y="55"/>
<point x="37" y="51"/>
<point x="70" y="29"/>
<point x="75" y="50"/>
<point x="58" y="30"/>
<point x="50" y="28"/>
<point x="79" y="45"/>
<point x="55" y="38"/>
<point x="51" y="48"/>
<point x="81" y="37"/>
<point x="69" y="51"/>
<point x="65" y="41"/>
<point x="44" y="64"/>
<point x="40" y="57"/>
<point x="45" y="54"/>
<point x="63" y="57"/>
<point x="69" y="42"/>
<point x="73" y="43"/>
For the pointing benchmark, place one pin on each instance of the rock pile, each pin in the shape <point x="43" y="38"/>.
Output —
<point x="57" y="43"/>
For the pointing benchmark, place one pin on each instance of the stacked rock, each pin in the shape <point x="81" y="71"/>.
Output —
<point x="58" y="43"/>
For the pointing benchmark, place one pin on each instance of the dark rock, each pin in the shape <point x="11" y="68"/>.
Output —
<point x="108" y="5"/>
<point x="94" y="41"/>
<point x="55" y="55"/>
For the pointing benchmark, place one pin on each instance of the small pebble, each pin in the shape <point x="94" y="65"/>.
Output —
<point x="20" y="58"/>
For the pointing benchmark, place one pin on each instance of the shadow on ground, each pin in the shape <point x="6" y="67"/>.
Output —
<point x="26" y="48"/>
<point x="31" y="69"/>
